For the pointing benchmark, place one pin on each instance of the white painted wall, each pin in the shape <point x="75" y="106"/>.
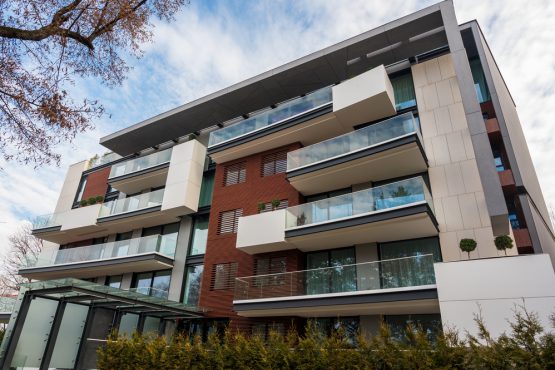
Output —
<point x="262" y="232"/>
<point x="497" y="286"/>
<point x="184" y="177"/>
<point x="364" y="98"/>
<point x="80" y="217"/>
<point x="70" y="186"/>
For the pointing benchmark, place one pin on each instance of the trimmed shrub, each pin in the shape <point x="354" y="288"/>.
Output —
<point x="83" y="202"/>
<point x="99" y="199"/>
<point x="275" y="203"/>
<point x="261" y="207"/>
<point x="91" y="201"/>
<point x="527" y="346"/>
<point x="503" y="242"/>
<point x="467" y="245"/>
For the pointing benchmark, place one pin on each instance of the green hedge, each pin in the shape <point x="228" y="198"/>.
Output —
<point x="526" y="347"/>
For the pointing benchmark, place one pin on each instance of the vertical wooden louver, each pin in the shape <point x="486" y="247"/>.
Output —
<point x="228" y="221"/>
<point x="223" y="276"/>
<point x="274" y="163"/>
<point x="235" y="174"/>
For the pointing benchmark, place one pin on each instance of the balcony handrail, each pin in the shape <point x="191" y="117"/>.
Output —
<point x="334" y="267"/>
<point x="348" y="143"/>
<point x="372" y="276"/>
<point x="213" y="140"/>
<point x="144" y="200"/>
<point x="163" y="244"/>
<point x="134" y="164"/>
<point x="354" y="199"/>
<point x="46" y="220"/>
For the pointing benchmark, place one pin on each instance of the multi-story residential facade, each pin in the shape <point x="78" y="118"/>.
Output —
<point x="335" y="188"/>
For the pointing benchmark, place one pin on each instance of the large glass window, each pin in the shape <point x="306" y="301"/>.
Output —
<point x="114" y="281"/>
<point x="168" y="239"/>
<point x="334" y="278"/>
<point x="479" y="78"/>
<point x="206" y="189"/>
<point x="401" y="271"/>
<point x="193" y="281"/>
<point x="347" y="326"/>
<point x="121" y="246"/>
<point x="199" y="236"/>
<point x="429" y="323"/>
<point x="336" y="208"/>
<point x="156" y="284"/>
<point x="403" y="90"/>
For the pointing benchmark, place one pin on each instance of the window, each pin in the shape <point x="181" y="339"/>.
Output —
<point x="193" y="281"/>
<point x="274" y="163"/>
<point x="155" y="284"/>
<point x="264" y="329"/>
<point x="267" y="266"/>
<point x="235" y="174"/>
<point x="403" y="90"/>
<point x="206" y="189"/>
<point x="199" y="236"/>
<point x="348" y="326"/>
<point x="165" y="243"/>
<point x="321" y="280"/>
<point x="268" y="207"/>
<point x="228" y="221"/>
<point x="480" y="85"/>
<point x="114" y="281"/>
<point x="81" y="189"/>
<point x="121" y="246"/>
<point x="430" y="324"/>
<point x="223" y="276"/>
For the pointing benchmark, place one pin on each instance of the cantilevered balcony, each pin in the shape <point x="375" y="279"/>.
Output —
<point x="141" y="203"/>
<point x="149" y="171"/>
<point x="395" y="211"/>
<point x="317" y="116"/>
<point x="133" y="255"/>
<point x="388" y="149"/>
<point x="378" y="287"/>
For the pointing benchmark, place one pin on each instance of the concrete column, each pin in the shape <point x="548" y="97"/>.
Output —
<point x="178" y="272"/>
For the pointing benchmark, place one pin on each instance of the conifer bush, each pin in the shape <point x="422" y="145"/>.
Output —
<point x="527" y="346"/>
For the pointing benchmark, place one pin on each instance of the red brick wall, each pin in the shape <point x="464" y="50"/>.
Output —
<point x="221" y="248"/>
<point x="97" y="183"/>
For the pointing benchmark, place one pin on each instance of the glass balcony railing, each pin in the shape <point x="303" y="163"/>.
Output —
<point x="163" y="244"/>
<point x="141" y="163"/>
<point x="133" y="203"/>
<point x="46" y="221"/>
<point x="271" y="117"/>
<point x="403" y="272"/>
<point x="377" y="134"/>
<point x="378" y="199"/>
<point x="97" y="161"/>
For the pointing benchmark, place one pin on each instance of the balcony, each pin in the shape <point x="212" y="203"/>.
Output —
<point x="377" y="287"/>
<point x="388" y="149"/>
<point x="149" y="171"/>
<point x="137" y="203"/>
<point x="395" y="211"/>
<point x="320" y="115"/>
<point x="134" y="255"/>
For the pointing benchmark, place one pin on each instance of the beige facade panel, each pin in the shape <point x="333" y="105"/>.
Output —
<point x="261" y="233"/>
<point x="364" y="98"/>
<point x="70" y="186"/>
<point x="182" y="192"/>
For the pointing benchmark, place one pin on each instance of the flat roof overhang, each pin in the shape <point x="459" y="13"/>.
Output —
<point x="101" y="267"/>
<point x="412" y="300"/>
<point x="400" y="157"/>
<point x="395" y="41"/>
<point x="410" y="222"/>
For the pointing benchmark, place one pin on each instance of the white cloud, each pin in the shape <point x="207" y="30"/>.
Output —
<point x="208" y="49"/>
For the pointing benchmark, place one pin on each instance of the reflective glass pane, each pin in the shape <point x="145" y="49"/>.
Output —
<point x="193" y="282"/>
<point x="128" y="324"/>
<point x="69" y="336"/>
<point x="200" y="235"/>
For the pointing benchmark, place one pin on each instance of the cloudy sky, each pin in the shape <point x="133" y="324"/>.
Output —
<point x="213" y="44"/>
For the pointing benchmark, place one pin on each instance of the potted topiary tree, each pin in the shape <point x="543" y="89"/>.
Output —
<point x="275" y="203"/>
<point x="467" y="245"/>
<point x="503" y="242"/>
<point x="261" y="207"/>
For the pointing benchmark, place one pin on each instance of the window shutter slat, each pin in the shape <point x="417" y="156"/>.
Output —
<point x="235" y="174"/>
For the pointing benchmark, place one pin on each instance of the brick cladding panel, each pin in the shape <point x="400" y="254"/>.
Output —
<point x="97" y="183"/>
<point x="221" y="248"/>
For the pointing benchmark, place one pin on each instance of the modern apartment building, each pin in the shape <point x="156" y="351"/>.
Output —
<point x="336" y="188"/>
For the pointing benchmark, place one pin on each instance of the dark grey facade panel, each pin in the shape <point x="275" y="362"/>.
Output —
<point x="307" y="301"/>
